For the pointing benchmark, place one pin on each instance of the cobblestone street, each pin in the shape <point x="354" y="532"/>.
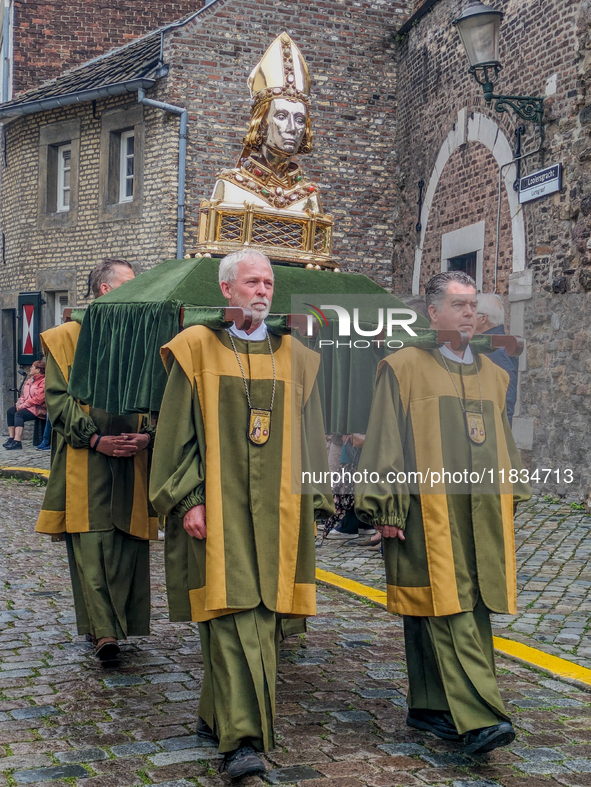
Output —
<point x="553" y="578"/>
<point x="28" y="456"/>
<point x="340" y="712"/>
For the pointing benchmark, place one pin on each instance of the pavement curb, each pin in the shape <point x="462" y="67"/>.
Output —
<point x="24" y="473"/>
<point x="555" y="666"/>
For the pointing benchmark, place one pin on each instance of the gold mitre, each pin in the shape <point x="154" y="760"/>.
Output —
<point x="281" y="73"/>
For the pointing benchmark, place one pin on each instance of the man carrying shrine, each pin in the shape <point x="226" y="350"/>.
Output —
<point x="97" y="493"/>
<point x="239" y="535"/>
<point x="450" y="478"/>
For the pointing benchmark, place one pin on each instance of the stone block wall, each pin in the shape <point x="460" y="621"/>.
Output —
<point x="32" y="252"/>
<point x="556" y="391"/>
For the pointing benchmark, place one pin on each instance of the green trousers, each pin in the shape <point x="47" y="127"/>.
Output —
<point x="451" y="667"/>
<point x="110" y="574"/>
<point x="240" y="654"/>
<point x="291" y="627"/>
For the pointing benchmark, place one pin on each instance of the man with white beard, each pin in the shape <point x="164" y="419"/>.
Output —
<point x="223" y="445"/>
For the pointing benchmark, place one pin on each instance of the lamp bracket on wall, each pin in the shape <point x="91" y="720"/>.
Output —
<point x="528" y="108"/>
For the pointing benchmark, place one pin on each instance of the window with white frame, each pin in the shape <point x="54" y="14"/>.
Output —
<point x="60" y="302"/>
<point x="59" y="155"/>
<point x="6" y="48"/>
<point x="126" y="165"/>
<point x="463" y="250"/>
<point x="121" y="164"/>
<point x="64" y="170"/>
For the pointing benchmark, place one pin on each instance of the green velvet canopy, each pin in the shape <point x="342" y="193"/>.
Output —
<point x="117" y="366"/>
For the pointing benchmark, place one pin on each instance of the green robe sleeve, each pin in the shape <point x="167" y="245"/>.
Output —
<point x="314" y="456"/>
<point x="65" y="413"/>
<point x="150" y="430"/>
<point x="384" y="502"/>
<point x="177" y="479"/>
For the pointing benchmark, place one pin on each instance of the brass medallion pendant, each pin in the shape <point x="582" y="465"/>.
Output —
<point x="474" y="421"/>
<point x="475" y="426"/>
<point x="259" y="421"/>
<point x="259" y="426"/>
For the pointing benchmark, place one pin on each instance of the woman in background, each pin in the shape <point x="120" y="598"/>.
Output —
<point x="30" y="405"/>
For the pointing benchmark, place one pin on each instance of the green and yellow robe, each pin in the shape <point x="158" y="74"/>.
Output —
<point x="457" y="562"/>
<point x="459" y="538"/>
<point x="99" y="504"/>
<point x="260" y="532"/>
<point x="88" y="491"/>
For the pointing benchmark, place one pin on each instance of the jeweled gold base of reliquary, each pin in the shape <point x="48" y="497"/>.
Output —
<point x="298" y="237"/>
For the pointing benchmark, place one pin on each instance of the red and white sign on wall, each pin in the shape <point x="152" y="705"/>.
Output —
<point x="29" y="313"/>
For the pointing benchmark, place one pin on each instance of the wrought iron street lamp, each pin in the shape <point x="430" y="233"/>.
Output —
<point x="479" y="28"/>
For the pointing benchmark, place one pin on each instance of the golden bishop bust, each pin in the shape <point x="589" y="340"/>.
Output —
<point x="267" y="202"/>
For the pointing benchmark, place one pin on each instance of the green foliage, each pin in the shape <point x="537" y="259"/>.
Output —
<point x="35" y="481"/>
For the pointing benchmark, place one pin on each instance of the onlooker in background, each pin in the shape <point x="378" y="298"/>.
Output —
<point x="335" y="448"/>
<point x="344" y="525"/>
<point x="490" y="319"/>
<point x="30" y="405"/>
<point x="45" y="444"/>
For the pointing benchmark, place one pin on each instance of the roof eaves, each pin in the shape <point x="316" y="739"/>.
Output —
<point x="52" y="102"/>
<point x="39" y="105"/>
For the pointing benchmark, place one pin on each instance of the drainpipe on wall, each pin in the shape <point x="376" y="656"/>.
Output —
<point x="184" y="115"/>
<point x="6" y="50"/>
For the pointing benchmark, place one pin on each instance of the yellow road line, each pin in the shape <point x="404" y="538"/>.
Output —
<point x="378" y="596"/>
<point x="532" y="656"/>
<point x="546" y="661"/>
<point x="38" y="470"/>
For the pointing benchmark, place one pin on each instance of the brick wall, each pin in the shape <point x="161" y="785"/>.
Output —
<point x="417" y="4"/>
<point x="463" y="198"/>
<point x="350" y="49"/>
<point x="545" y="50"/>
<point x="51" y="36"/>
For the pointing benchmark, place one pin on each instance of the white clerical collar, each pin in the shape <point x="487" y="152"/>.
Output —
<point x="257" y="335"/>
<point x="467" y="359"/>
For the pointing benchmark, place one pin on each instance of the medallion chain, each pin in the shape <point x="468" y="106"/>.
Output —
<point x="456" y="387"/>
<point x="244" y="376"/>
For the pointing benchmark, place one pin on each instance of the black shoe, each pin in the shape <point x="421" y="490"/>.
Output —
<point x="16" y="445"/>
<point x="10" y="441"/>
<point x="107" y="649"/>
<point x="436" y="721"/>
<point x="205" y="731"/>
<point x="489" y="738"/>
<point x="244" y="761"/>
